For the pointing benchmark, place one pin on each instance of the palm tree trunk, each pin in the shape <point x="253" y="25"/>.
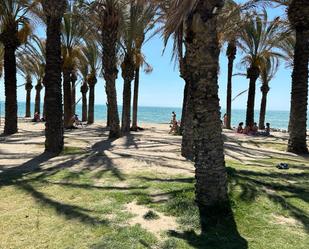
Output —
<point x="73" y="81"/>
<point x="128" y="76"/>
<point x="84" y="89"/>
<point x="28" y="104"/>
<point x="265" y="90"/>
<point x="184" y="108"/>
<point x="135" y="100"/>
<point x="52" y="80"/>
<point x="37" y="103"/>
<point x="91" y="105"/>
<point x="203" y="65"/>
<point x="231" y="54"/>
<point x="187" y="145"/>
<point x="10" y="83"/>
<point x="109" y="41"/>
<point x="299" y="96"/>
<point x="67" y="94"/>
<point x="253" y="74"/>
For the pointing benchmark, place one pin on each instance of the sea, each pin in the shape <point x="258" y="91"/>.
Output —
<point x="277" y="119"/>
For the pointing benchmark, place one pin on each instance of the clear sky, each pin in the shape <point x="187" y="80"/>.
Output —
<point x="164" y="87"/>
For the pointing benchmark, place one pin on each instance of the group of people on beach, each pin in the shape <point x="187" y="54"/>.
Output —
<point x="174" y="125"/>
<point x="74" y="122"/>
<point x="251" y="129"/>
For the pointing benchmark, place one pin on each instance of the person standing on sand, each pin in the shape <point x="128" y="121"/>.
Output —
<point x="224" y="120"/>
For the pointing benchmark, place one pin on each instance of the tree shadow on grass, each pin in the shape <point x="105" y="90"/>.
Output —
<point x="220" y="232"/>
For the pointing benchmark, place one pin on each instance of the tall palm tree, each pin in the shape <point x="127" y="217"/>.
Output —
<point x="258" y="39"/>
<point x="268" y="71"/>
<point x="229" y="27"/>
<point x="145" y="22"/>
<point x="90" y="62"/>
<point x="25" y="68"/>
<point x="108" y="18"/>
<point x="14" y="29"/>
<point x="54" y="11"/>
<point x="36" y="50"/>
<point x="202" y="61"/>
<point x="298" y="13"/>
<point x="73" y="30"/>
<point x="84" y="70"/>
<point x="127" y="66"/>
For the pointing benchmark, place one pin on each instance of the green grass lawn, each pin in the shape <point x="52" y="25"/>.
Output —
<point x="60" y="208"/>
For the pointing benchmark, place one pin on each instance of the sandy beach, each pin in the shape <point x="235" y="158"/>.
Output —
<point x="152" y="149"/>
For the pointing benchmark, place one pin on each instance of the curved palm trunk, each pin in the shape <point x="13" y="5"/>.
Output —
<point x="135" y="100"/>
<point x="299" y="96"/>
<point x="231" y="54"/>
<point x="253" y="74"/>
<point x="67" y="97"/>
<point x="37" y="103"/>
<point x="52" y="80"/>
<point x="91" y="104"/>
<point x="128" y="76"/>
<point x="10" y="83"/>
<point x="264" y="90"/>
<point x="84" y="89"/>
<point x="203" y="65"/>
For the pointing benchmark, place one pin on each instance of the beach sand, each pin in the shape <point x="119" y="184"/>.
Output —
<point x="152" y="149"/>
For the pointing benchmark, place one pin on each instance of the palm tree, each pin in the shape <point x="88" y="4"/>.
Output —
<point x="14" y="29"/>
<point x="24" y="66"/>
<point x="90" y="66"/>
<point x="229" y="27"/>
<point x="298" y="13"/>
<point x="145" y="22"/>
<point x="202" y="62"/>
<point x="127" y="66"/>
<point x="108" y="18"/>
<point x="84" y="70"/>
<point x="37" y="58"/>
<point x="268" y="71"/>
<point x="257" y="40"/>
<point x="54" y="11"/>
<point x="73" y="30"/>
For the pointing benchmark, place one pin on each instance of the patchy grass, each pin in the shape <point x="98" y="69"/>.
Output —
<point x="70" y="150"/>
<point x="61" y="208"/>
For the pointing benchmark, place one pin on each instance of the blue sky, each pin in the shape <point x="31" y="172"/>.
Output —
<point x="164" y="87"/>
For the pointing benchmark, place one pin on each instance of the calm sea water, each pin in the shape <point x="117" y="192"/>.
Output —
<point x="277" y="119"/>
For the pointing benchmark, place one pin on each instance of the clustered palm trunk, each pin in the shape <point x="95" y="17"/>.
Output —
<point x="53" y="11"/>
<point x="9" y="38"/>
<point x="110" y="28"/>
<point x="252" y="74"/>
<point x="67" y="97"/>
<point x="28" y="88"/>
<point x="128" y="76"/>
<point x="202" y="57"/>
<point x="264" y="89"/>
<point x="92" y="80"/>
<point x="231" y="54"/>
<point x="37" y="102"/>
<point x="84" y="89"/>
<point x="298" y="13"/>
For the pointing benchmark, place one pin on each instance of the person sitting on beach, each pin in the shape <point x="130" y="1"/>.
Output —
<point x="174" y="124"/>
<point x="225" y="120"/>
<point x="239" y="128"/>
<point x="267" y="129"/>
<point x="255" y="129"/>
<point x="36" y="117"/>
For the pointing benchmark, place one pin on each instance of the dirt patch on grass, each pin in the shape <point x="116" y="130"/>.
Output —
<point x="280" y="219"/>
<point x="156" y="226"/>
